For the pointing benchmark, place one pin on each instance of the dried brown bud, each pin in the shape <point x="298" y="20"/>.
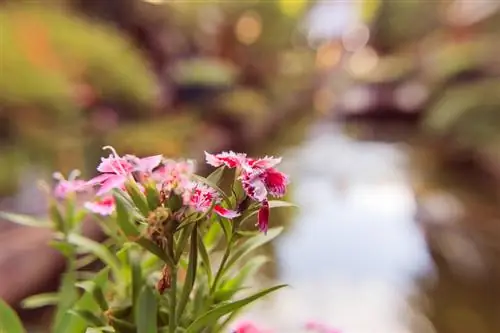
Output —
<point x="165" y="280"/>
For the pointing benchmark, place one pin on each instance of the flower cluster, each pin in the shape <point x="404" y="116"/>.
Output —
<point x="259" y="179"/>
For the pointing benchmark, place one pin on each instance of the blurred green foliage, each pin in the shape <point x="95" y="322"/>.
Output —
<point x="47" y="53"/>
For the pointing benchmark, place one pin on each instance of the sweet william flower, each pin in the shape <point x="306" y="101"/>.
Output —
<point x="116" y="170"/>
<point x="258" y="177"/>
<point x="229" y="159"/>
<point x="202" y="197"/>
<point x="65" y="187"/>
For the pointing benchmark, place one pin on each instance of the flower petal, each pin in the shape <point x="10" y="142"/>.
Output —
<point x="114" y="181"/>
<point x="254" y="187"/>
<point x="103" y="206"/>
<point x="98" y="179"/>
<point x="263" y="217"/>
<point x="224" y="212"/>
<point x="147" y="164"/>
<point x="275" y="181"/>
<point x="116" y="165"/>
<point x="229" y="159"/>
<point x="259" y="165"/>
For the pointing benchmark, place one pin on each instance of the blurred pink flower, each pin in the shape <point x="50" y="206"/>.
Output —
<point x="65" y="187"/>
<point x="202" y="197"/>
<point x="249" y="327"/>
<point x="320" y="328"/>
<point x="103" y="206"/>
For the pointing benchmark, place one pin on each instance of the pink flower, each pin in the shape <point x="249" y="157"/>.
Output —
<point x="146" y="164"/>
<point x="115" y="170"/>
<point x="258" y="176"/>
<point x="103" y="206"/>
<point x="320" y="328"/>
<point x="174" y="176"/>
<point x="249" y="327"/>
<point x="202" y="197"/>
<point x="229" y="159"/>
<point x="65" y="187"/>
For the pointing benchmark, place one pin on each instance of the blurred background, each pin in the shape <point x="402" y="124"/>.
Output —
<point x="387" y="114"/>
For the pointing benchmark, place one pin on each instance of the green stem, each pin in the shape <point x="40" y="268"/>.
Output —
<point x="172" y="325"/>
<point x="221" y="267"/>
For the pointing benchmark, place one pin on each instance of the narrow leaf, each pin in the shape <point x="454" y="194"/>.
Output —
<point x="216" y="175"/>
<point x="213" y="235"/>
<point x="9" y="321"/>
<point x="205" y="258"/>
<point x="40" y="300"/>
<point x="213" y="315"/>
<point x="249" y="269"/>
<point x="138" y="197"/>
<point x="190" y="275"/>
<point x="152" y="197"/>
<point x="26" y="220"/>
<point x="251" y="244"/>
<point x="123" y="217"/>
<point x="98" y="250"/>
<point x="90" y="318"/>
<point x="146" y="312"/>
<point x="93" y="289"/>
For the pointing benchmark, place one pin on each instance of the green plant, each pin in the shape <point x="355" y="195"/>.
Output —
<point x="165" y="227"/>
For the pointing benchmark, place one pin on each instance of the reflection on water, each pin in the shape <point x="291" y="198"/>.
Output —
<point x="353" y="252"/>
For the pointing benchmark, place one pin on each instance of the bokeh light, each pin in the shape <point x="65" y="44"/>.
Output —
<point x="249" y="27"/>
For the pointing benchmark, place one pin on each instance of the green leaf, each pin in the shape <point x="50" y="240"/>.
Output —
<point x="138" y="197"/>
<point x="98" y="250"/>
<point x="225" y="294"/>
<point x="68" y="296"/>
<point x="104" y="329"/>
<point x="190" y="275"/>
<point x="57" y="218"/>
<point x="123" y="217"/>
<point x="136" y="275"/>
<point x="9" y="321"/>
<point x="249" y="269"/>
<point x="226" y="227"/>
<point x="213" y="235"/>
<point x="272" y="204"/>
<point x="216" y="175"/>
<point x="146" y="312"/>
<point x="251" y="244"/>
<point x="93" y="289"/>
<point x="66" y="249"/>
<point x="212" y="316"/>
<point x="70" y="322"/>
<point x="182" y="241"/>
<point x="40" y="300"/>
<point x="152" y="197"/>
<point x="26" y="220"/>
<point x="90" y="318"/>
<point x="205" y="258"/>
<point x="122" y="326"/>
